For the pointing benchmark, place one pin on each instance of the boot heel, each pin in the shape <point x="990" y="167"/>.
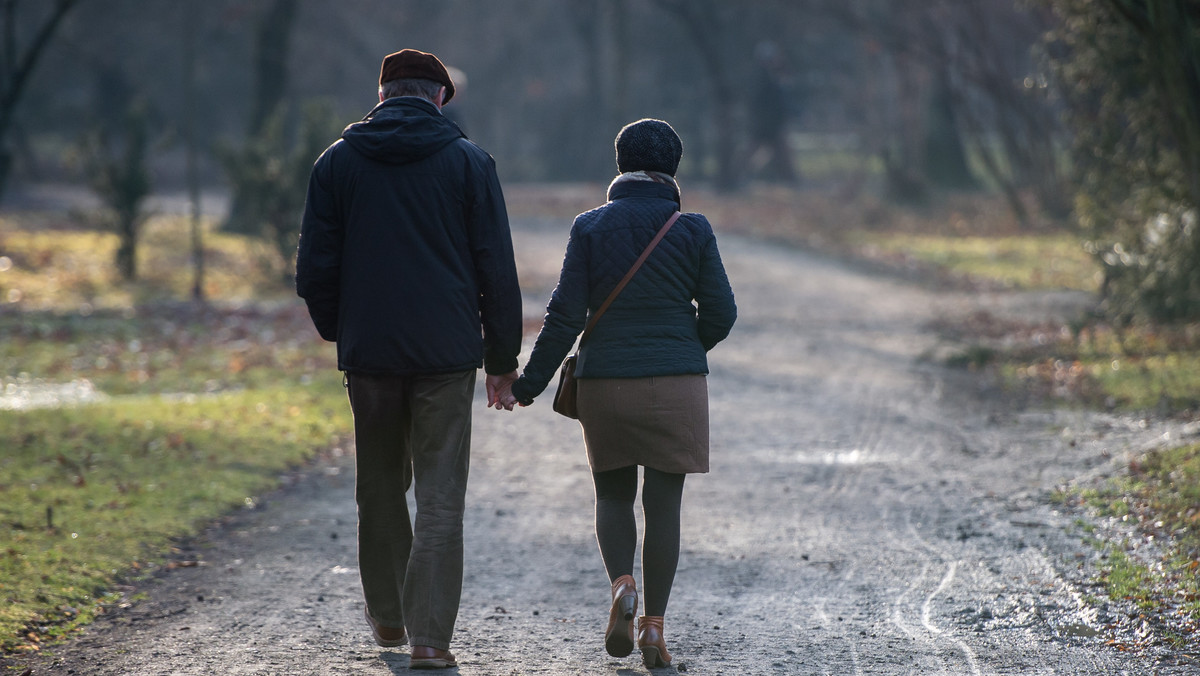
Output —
<point x="650" y="640"/>
<point x="627" y="606"/>
<point x="618" y="637"/>
<point x="651" y="658"/>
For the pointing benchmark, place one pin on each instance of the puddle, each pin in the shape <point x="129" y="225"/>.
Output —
<point x="1077" y="630"/>
<point x="854" y="456"/>
<point x="23" y="395"/>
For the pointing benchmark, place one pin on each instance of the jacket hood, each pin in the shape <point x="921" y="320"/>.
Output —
<point x="402" y="130"/>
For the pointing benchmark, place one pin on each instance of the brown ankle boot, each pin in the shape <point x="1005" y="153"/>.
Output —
<point x="618" y="637"/>
<point x="650" y="640"/>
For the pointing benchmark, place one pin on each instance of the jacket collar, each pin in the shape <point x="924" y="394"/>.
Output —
<point x="625" y="189"/>
<point x="416" y="103"/>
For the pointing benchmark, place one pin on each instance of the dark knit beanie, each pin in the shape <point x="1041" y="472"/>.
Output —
<point x="411" y="63"/>
<point x="648" y="145"/>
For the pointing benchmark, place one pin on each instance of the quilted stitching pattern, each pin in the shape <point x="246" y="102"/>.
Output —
<point x="667" y="277"/>
<point x="652" y="328"/>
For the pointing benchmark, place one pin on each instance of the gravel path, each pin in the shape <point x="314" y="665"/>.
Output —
<point x="867" y="513"/>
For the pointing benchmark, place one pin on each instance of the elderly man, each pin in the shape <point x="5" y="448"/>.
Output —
<point x="406" y="261"/>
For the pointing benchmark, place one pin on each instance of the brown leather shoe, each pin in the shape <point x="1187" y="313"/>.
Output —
<point x="428" y="657"/>
<point x="651" y="642"/>
<point x="618" y="637"/>
<point x="388" y="637"/>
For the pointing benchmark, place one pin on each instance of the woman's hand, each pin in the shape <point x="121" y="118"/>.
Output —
<point x="499" y="391"/>
<point x="507" y="400"/>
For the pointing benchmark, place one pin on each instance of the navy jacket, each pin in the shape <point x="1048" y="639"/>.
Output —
<point x="405" y="256"/>
<point x="653" y="327"/>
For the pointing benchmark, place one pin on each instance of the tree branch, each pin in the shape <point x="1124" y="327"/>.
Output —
<point x="15" y="85"/>
<point x="10" y="42"/>
<point x="1134" y="13"/>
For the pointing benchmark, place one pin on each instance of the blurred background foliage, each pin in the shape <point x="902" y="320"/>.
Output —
<point x="1129" y="75"/>
<point x="1077" y="115"/>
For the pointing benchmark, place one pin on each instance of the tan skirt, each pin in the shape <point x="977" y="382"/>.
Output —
<point x="659" y="422"/>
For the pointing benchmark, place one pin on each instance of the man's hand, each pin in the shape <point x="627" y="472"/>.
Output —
<point x="499" y="391"/>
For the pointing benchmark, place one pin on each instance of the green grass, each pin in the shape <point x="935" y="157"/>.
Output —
<point x="1166" y="484"/>
<point x="204" y="408"/>
<point x="92" y="493"/>
<point x="1168" y="382"/>
<point x="830" y="164"/>
<point x="55" y="262"/>
<point x="1138" y="369"/>
<point x="1160" y="494"/>
<point x="1055" y="261"/>
<point x="1125" y="578"/>
<point x="163" y="348"/>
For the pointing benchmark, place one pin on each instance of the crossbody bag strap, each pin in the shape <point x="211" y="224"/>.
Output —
<point x="628" y="275"/>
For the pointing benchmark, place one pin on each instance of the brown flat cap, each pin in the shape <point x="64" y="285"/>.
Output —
<point x="411" y="63"/>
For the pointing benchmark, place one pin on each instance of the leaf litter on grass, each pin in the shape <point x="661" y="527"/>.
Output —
<point x="130" y="418"/>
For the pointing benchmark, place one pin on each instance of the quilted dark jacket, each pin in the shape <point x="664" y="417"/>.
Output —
<point x="653" y="327"/>
<point x="405" y="254"/>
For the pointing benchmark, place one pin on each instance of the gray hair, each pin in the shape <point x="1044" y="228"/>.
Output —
<point x="410" y="86"/>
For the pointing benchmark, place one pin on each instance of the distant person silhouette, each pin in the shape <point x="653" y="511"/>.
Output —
<point x="457" y="113"/>
<point x="770" y="111"/>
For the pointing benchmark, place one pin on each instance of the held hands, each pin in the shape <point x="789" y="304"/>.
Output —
<point x="507" y="400"/>
<point x="499" y="391"/>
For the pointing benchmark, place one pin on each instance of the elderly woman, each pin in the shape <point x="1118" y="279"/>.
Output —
<point x="642" y="393"/>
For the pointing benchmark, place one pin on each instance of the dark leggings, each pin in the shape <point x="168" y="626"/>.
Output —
<point x="616" y="530"/>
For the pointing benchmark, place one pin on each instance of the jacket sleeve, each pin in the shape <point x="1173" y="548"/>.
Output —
<point x="566" y="316"/>
<point x="495" y="269"/>
<point x="715" y="308"/>
<point x="319" y="255"/>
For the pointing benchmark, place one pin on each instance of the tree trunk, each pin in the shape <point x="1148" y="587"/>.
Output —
<point x="17" y="67"/>
<point x="704" y="27"/>
<point x="618" y="108"/>
<point x="272" y="50"/>
<point x="586" y="126"/>
<point x="945" y="156"/>
<point x="190" y="30"/>
<point x="126" y="259"/>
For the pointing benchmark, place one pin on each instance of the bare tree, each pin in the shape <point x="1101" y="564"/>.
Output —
<point x="590" y="120"/>
<point x="619" y="101"/>
<point x="960" y="78"/>
<point x="1002" y="104"/>
<point x="190" y="31"/>
<point x="18" y="65"/>
<point x="707" y="28"/>
<point x="118" y="173"/>
<point x="896" y="81"/>
<point x="272" y="49"/>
